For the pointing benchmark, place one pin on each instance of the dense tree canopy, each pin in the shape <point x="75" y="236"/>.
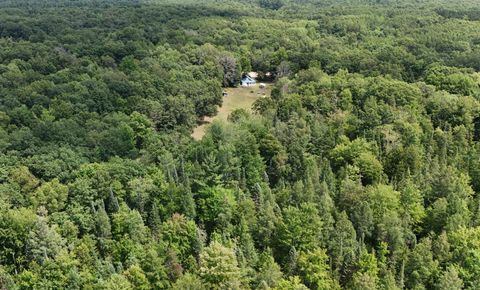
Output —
<point x="360" y="171"/>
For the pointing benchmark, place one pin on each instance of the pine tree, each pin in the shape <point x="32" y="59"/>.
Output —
<point x="343" y="247"/>
<point x="449" y="280"/>
<point x="112" y="203"/>
<point x="103" y="227"/>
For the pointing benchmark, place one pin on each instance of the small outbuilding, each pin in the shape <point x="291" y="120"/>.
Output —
<point x="248" y="81"/>
<point x="253" y="75"/>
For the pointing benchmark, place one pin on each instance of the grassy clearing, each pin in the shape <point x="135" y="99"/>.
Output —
<point x="237" y="98"/>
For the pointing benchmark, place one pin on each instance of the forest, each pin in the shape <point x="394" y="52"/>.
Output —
<point x="360" y="171"/>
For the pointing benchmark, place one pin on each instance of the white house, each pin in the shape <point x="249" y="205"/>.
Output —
<point x="247" y="81"/>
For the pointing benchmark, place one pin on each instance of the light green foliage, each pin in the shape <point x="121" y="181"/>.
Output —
<point x="214" y="207"/>
<point x="116" y="282"/>
<point x="315" y="270"/>
<point x="370" y="168"/>
<point x="51" y="195"/>
<point x="188" y="282"/>
<point x="465" y="245"/>
<point x="412" y="202"/>
<point x="299" y="222"/>
<point x="16" y="225"/>
<point x="358" y="153"/>
<point x="384" y="202"/>
<point x="450" y="280"/>
<point x="269" y="272"/>
<point x="394" y="92"/>
<point x="292" y="283"/>
<point x="128" y="223"/>
<point x="218" y="267"/>
<point x="136" y="277"/>
<point x="180" y="235"/>
<point x="367" y="275"/>
<point x="24" y="179"/>
<point x="358" y="169"/>
<point x="451" y="79"/>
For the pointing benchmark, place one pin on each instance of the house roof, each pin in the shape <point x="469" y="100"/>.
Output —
<point x="247" y="79"/>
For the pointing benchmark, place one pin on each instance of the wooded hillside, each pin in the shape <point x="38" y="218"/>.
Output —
<point x="361" y="171"/>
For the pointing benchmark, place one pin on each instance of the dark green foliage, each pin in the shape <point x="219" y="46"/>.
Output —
<point x="360" y="171"/>
<point x="271" y="4"/>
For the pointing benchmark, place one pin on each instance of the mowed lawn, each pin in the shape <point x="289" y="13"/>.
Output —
<point x="237" y="98"/>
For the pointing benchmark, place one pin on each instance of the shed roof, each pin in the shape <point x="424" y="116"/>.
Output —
<point x="253" y="74"/>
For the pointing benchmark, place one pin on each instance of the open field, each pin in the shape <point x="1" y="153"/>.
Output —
<point x="237" y="98"/>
